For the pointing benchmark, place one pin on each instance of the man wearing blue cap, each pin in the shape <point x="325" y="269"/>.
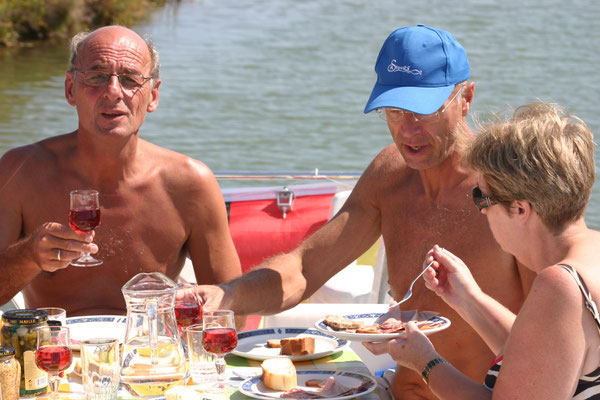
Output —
<point x="415" y="193"/>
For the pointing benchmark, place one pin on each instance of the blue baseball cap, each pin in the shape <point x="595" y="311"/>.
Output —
<point x="417" y="69"/>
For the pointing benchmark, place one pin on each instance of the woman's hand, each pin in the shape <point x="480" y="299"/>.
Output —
<point x="413" y="351"/>
<point x="449" y="277"/>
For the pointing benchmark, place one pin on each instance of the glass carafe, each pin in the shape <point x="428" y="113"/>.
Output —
<point x="153" y="358"/>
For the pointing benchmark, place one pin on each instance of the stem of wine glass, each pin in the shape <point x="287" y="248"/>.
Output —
<point x="54" y="381"/>
<point x="220" y="365"/>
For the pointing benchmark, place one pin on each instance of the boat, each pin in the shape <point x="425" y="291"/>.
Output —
<point x="274" y="219"/>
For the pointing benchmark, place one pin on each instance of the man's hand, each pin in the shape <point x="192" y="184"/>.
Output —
<point x="54" y="246"/>
<point x="211" y="296"/>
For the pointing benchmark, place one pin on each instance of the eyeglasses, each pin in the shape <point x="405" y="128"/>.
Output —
<point x="128" y="81"/>
<point x="397" y="114"/>
<point x="480" y="200"/>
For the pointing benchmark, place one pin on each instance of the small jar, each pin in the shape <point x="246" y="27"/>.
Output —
<point x="19" y="331"/>
<point x="10" y="374"/>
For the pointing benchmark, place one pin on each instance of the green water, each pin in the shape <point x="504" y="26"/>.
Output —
<point x="281" y="84"/>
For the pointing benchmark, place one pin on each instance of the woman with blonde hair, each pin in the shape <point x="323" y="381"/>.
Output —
<point x="536" y="172"/>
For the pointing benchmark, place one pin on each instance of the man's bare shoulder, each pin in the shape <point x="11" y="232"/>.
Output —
<point x="387" y="169"/>
<point x="178" y="170"/>
<point x="389" y="161"/>
<point x="33" y="159"/>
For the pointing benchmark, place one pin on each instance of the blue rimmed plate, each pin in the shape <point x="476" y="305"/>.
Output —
<point x="253" y="344"/>
<point x="433" y="324"/>
<point x="96" y="326"/>
<point x="254" y="387"/>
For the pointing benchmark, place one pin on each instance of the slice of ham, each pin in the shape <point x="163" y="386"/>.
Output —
<point x="333" y="388"/>
<point x="330" y="388"/>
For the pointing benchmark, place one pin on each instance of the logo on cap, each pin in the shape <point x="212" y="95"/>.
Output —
<point x="405" y="68"/>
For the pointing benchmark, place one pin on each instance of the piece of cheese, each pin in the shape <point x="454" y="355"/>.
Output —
<point x="298" y="346"/>
<point x="279" y="374"/>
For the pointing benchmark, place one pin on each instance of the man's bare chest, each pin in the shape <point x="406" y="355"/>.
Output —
<point x="133" y="227"/>
<point x="410" y="232"/>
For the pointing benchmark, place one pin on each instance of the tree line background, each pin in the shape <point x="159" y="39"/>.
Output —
<point x="32" y="20"/>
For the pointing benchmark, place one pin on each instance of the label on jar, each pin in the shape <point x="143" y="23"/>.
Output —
<point x="35" y="378"/>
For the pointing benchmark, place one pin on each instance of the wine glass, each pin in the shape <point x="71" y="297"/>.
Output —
<point x="188" y="310"/>
<point x="53" y="353"/>
<point x="219" y="337"/>
<point x="84" y="216"/>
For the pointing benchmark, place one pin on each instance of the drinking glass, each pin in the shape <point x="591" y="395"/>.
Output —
<point x="84" y="216"/>
<point x="219" y="337"/>
<point x="202" y="363"/>
<point x="53" y="353"/>
<point x="56" y="314"/>
<point x="188" y="310"/>
<point x="100" y="368"/>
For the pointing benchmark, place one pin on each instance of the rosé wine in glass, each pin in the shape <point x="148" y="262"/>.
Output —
<point x="84" y="220"/>
<point x="84" y="216"/>
<point x="53" y="358"/>
<point x="53" y="353"/>
<point x="219" y="337"/>
<point x="188" y="310"/>
<point x="187" y="314"/>
<point x="219" y="340"/>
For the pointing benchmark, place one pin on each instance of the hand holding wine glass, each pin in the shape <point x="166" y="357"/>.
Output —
<point x="53" y="353"/>
<point x="188" y="310"/>
<point x="219" y="337"/>
<point x="84" y="216"/>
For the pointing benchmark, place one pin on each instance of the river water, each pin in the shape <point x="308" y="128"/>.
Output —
<point x="281" y="84"/>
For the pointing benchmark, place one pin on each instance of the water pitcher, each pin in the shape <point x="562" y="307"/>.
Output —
<point x="153" y="358"/>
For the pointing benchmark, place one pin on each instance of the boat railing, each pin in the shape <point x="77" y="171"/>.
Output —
<point x="280" y="184"/>
<point x="288" y="175"/>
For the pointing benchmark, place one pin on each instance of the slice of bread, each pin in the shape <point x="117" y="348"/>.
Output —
<point x="274" y="343"/>
<point x="279" y="374"/>
<point x="298" y="346"/>
<point x="340" y="323"/>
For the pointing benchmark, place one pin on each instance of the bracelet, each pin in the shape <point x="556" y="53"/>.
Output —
<point x="429" y="367"/>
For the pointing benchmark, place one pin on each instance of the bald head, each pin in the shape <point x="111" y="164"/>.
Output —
<point x="117" y="34"/>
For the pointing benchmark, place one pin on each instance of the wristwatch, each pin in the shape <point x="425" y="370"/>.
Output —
<point x="429" y="367"/>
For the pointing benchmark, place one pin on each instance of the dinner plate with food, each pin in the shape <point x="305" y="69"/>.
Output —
<point x="297" y="344"/>
<point x="374" y="327"/>
<point x="82" y="328"/>
<point x="280" y="379"/>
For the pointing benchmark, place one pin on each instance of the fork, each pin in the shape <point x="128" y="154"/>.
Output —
<point x="409" y="293"/>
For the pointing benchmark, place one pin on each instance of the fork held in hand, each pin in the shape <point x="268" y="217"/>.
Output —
<point x="409" y="293"/>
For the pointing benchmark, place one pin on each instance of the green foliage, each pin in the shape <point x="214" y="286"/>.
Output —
<point x="25" y="20"/>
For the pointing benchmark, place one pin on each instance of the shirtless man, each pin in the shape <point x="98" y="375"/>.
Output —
<point x="157" y="205"/>
<point x="415" y="193"/>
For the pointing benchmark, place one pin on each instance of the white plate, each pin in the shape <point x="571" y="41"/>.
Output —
<point x="254" y="387"/>
<point x="376" y="337"/>
<point x="246" y="372"/>
<point x="96" y="326"/>
<point x="253" y="344"/>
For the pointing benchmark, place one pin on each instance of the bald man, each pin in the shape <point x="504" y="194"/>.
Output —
<point x="157" y="206"/>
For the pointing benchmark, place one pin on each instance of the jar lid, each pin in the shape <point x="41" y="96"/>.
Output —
<point x="7" y="351"/>
<point x="25" y="316"/>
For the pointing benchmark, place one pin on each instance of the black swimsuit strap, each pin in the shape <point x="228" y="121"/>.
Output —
<point x="589" y="303"/>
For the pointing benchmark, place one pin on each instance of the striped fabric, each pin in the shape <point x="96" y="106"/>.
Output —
<point x="588" y="387"/>
<point x="492" y="374"/>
